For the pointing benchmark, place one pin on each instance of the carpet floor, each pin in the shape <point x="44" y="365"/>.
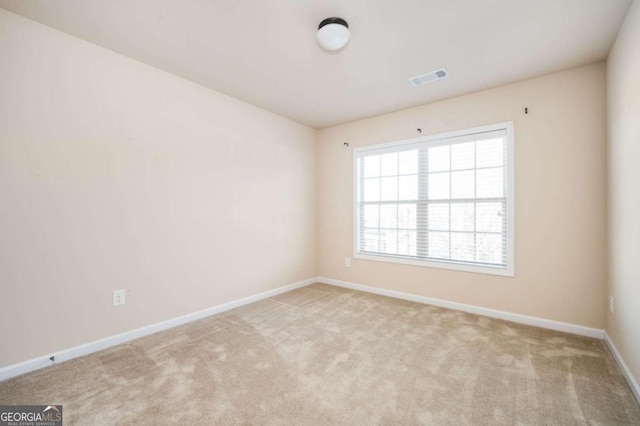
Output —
<point x="322" y="355"/>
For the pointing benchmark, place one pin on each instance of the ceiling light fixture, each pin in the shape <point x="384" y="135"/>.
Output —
<point x="333" y="34"/>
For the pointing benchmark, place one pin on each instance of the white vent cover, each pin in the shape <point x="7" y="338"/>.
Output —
<point x="429" y="77"/>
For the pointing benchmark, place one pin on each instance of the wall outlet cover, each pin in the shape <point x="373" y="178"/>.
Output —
<point x="118" y="297"/>
<point x="611" y="305"/>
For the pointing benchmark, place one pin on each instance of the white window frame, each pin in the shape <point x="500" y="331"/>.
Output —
<point x="509" y="270"/>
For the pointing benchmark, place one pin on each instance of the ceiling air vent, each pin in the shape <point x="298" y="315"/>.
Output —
<point x="429" y="77"/>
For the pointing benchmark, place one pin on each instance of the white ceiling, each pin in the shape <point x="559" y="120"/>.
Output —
<point x="264" y="51"/>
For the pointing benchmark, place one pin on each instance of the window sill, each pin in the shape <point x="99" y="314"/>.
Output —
<point x="456" y="266"/>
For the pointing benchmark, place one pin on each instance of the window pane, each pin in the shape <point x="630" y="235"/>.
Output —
<point x="439" y="245"/>
<point x="439" y="158"/>
<point x="489" y="217"/>
<point x="371" y="189"/>
<point x="462" y="217"/>
<point x="438" y="217"/>
<point x="389" y="189"/>
<point x="489" y="248"/>
<point x="438" y="186"/>
<point x="490" y="152"/>
<point x="389" y="164"/>
<point x="463" y="184"/>
<point x="389" y="216"/>
<point x="407" y="216"/>
<point x="372" y="166"/>
<point x="370" y="240"/>
<point x="371" y="216"/>
<point x="407" y="243"/>
<point x="462" y="246"/>
<point x="462" y="156"/>
<point x="490" y="183"/>
<point x="389" y="241"/>
<point x="408" y="162"/>
<point x="409" y="187"/>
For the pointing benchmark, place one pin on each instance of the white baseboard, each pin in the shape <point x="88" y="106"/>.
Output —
<point x="98" y="345"/>
<point x="88" y="348"/>
<point x="508" y="316"/>
<point x="626" y="372"/>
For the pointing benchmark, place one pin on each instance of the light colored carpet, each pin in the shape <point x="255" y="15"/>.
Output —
<point x="323" y="355"/>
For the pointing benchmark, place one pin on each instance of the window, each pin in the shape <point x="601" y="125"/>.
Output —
<point x="443" y="201"/>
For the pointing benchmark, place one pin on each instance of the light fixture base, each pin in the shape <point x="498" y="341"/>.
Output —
<point x="333" y="20"/>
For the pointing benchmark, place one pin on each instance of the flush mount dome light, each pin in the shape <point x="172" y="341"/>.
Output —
<point x="333" y="34"/>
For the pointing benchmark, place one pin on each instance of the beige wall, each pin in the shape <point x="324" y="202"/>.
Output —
<point x="560" y="198"/>
<point x="114" y="174"/>
<point x="623" y="114"/>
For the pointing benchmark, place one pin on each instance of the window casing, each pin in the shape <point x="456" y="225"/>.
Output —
<point x="442" y="201"/>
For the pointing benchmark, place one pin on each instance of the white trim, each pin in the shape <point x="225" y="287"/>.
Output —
<point x="438" y="136"/>
<point x="443" y="264"/>
<point x="419" y="142"/>
<point x="88" y="348"/>
<point x="98" y="345"/>
<point x="511" y="199"/>
<point x="626" y="372"/>
<point x="492" y="313"/>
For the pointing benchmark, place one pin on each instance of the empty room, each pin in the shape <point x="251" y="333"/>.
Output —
<point x="365" y="212"/>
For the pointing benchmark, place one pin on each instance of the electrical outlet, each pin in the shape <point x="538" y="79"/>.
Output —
<point x="347" y="262"/>
<point x="611" y="305"/>
<point x="118" y="297"/>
